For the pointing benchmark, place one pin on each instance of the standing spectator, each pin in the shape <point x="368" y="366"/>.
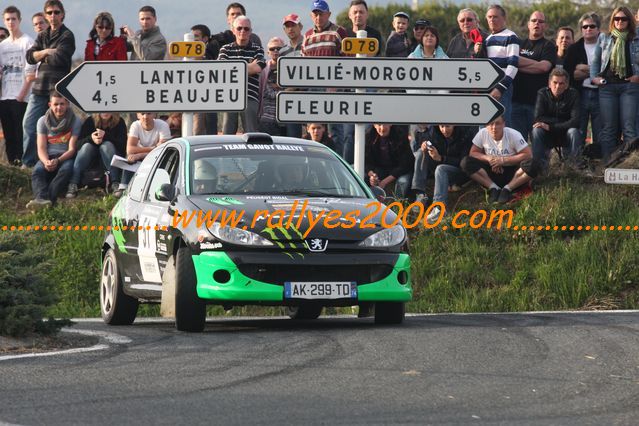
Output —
<point x="565" y="39"/>
<point x="418" y="32"/>
<point x="293" y="29"/>
<point x="463" y="44"/>
<point x="102" y="44"/>
<point x="58" y="132"/>
<point x="557" y="120"/>
<point x="233" y="10"/>
<point x="148" y="43"/>
<point x="15" y="86"/>
<point x="318" y="132"/>
<point x="500" y="160"/>
<point x="429" y="46"/>
<point x="4" y="33"/>
<point x="398" y="44"/>
<point x="389" y="160"/>
<point x="242" y="48"/>
<point x="615" y="69"/>
<point x="205" y="123"/>
<point x="537" y="56"/>
<point x="358" y="14"/>
<point x="269" y="90"/>
<point x="101" y="136"/>
<point x="52" y="51"/>
<point x="39" y="23"/>
<point x="579" y="58"/>
<point x="502" y="46"/>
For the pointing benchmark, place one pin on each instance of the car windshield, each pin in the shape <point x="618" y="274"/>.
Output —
<point x="278" y="169"/>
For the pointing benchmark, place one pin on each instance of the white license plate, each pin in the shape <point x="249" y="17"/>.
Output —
<point x="320" y="290"/>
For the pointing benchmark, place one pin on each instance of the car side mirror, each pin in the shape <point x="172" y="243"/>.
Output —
<point x="378" y="193"/>
<point x="166" y="192"/>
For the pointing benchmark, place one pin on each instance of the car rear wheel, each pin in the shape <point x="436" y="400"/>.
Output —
<point x="190" y="310"/>
<point x="389" y="312"/>
<point x="117" y="308"/>
<point x="304" y="311"/>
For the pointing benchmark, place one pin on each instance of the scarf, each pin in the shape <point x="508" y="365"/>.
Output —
<point x="618" y="54"/>
<point x="55" y="126"/>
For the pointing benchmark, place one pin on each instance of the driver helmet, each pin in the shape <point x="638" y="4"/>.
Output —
<point x="204" y="177"/>
<point x="292" y="172"/>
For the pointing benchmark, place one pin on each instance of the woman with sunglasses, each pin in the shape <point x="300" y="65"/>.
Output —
<point x="615" y="69"/>
<point x="102" y="44"/>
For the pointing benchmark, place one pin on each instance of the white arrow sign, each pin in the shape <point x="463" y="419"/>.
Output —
<point x="401" y="108"/>
<point x="119" y="86"/>
<point x="389" y="73"/>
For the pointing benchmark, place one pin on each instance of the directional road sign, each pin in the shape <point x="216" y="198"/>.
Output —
<point x="187" y="49"/>
<point x="354" y="45"/>
<point x="389" y="73"/>
<point x="399" y="108"/>
<point x="622" y="176"/>
<point x="119" y="86"/>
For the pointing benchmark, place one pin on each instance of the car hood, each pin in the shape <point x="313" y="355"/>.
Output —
<point x="348" y="219"/>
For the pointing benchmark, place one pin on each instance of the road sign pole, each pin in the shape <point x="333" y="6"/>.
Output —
<point x="187" y="117"/>
<point x="360" y="129"/>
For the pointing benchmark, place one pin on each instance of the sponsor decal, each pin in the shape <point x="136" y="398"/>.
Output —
<point x="210" y="246"/>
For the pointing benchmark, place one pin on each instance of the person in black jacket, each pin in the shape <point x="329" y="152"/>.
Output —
<point x="557" y="119"/>
<point x="101" y="136"/>
<point x="448" y="145"/>
<point x="52" y="50"/>
<point x="389" y="159"/>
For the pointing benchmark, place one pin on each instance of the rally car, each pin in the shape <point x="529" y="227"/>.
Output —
<point x="251" y="220"/>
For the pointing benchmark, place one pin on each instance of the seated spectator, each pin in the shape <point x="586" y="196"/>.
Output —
<point x="57" y="134"/>
<point x="317" y="132"/>
<point x="429" y="46"/>
<point x="389" y="159"/>
<point x="500" y="160"/>
<point x="268" y="91"/>
<point x="557" y="119"/>
<point x="448" y="145"/>
<point x="103" y="45"/>
<point x="145" y="134"/>
<point x="398" y="43"/>
<point x="102" y="136"/>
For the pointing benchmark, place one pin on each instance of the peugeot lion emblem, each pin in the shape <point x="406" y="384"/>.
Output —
<point x="316" y="244"/>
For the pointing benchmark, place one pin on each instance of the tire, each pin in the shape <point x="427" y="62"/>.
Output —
<point x="190" y="310"/>
<point x="305" y="311"/>
<point x="389" y="313"/>
<point x="116" y="307"/>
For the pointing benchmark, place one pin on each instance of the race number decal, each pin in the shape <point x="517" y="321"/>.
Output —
<point x="146" y="249"/>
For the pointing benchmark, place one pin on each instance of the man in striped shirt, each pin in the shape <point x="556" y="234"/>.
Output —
<point x="502" y="46"/>
<point x="244" y="49"/>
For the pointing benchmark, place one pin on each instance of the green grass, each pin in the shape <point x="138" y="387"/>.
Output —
<point x="453" y="271"/>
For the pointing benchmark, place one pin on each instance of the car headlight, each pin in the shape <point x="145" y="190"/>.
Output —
<point x="386" y="237"/>
<point x="238" y="236"/>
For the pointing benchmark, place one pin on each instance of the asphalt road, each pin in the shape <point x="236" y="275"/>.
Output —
<point x="567" y="368"/>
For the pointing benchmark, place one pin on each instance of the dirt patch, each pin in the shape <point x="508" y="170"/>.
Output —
<point x="37" y="343"/>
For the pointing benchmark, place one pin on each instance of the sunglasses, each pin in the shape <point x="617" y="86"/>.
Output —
<point x="620" y="19"/>
<point x="247" y="29"/>
<point x="466" y="20"/>
<point x="588" y="27"/>
<point x="275" y="49"/>
<point x="53" y="12"/>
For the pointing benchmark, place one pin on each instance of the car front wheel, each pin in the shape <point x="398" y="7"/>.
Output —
<point x="117" y="308"/>
<point x="190" y="310"/>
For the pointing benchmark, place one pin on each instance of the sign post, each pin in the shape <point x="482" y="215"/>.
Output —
<point x="187" y="117"/>
<point x="360" y="129"/>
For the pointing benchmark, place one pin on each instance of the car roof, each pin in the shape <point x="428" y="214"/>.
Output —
<point x="247" y="138"/>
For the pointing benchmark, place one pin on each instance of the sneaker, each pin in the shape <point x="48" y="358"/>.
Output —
<point x="72" y="190"/>
<point x="422" y="198"/>
<point x="454" y="188"/>
<point x="493" y="195"/>
<point x="118" y="192"/>
<point x="434" y="215"/>
<point x="114" y="187"/>
<point x="38" y="204"/>
<point x="505" y="195"/>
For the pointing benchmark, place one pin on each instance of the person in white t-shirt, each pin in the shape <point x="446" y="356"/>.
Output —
<point x="15" y="86"/>
<point x="500" y="160"/>
<point x="145" y="134"/>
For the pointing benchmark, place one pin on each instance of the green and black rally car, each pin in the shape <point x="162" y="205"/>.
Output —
<point x="251" y="220"/>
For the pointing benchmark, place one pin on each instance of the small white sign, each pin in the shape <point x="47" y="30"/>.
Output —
<point x="622" y="176"/>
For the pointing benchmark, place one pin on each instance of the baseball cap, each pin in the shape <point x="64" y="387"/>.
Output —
<point x="291" y="18"/>
<point x="421" y="22"/>
<point x="320" y="5"/>
<point x="401" y="15"/>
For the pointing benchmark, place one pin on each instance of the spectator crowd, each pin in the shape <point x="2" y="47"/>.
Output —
<point x="555" y="92"/>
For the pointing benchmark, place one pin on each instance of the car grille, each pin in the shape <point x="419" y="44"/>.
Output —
<point x="278" y="274"/>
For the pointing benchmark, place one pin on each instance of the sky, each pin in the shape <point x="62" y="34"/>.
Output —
<point x="177" y="17"/>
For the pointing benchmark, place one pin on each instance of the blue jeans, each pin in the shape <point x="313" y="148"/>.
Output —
<point x="523" y="116"/>
<point x="36" y="108"/>
<point x="88" y="153"/>
<point x="445" y="174"/>
<point x="47" y="185"/>
<point x="424" y="166"/>
<point x="507" y="101"/>
<point x="589" y="110"/>
<point x="543" y="141"/>
<point x="618" y="104"/>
